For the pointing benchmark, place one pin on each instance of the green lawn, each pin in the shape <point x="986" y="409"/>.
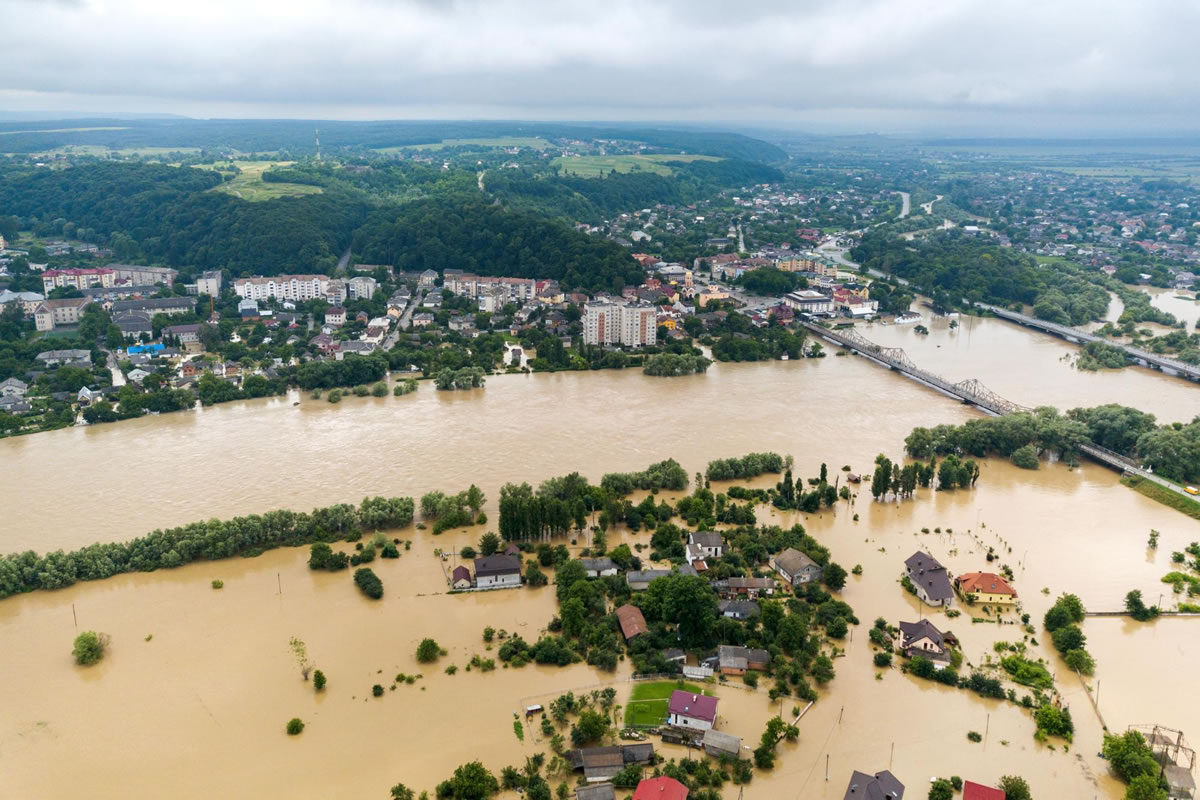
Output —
<point x="535" y="142"/>
<point x="596" y="166"/>
<point x="648" y="701"/>
<point x="1163" y="495"/>
<point x="249" y="185"/>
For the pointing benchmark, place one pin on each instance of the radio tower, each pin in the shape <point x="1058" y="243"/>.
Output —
<point x="318" y="144"/>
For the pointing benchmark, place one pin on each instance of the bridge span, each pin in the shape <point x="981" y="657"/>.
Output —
<point x="971" y="392"/>
<point x="1143" y="357"/>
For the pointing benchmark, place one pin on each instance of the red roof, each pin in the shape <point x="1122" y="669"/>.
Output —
<point x="977" y="791"/>
<point x="631" y="620"/>
<point x="984" y="582"/>
<point x="460" y="573"/>
<point x="663" y="788"/>
<point x="694" y="706"/>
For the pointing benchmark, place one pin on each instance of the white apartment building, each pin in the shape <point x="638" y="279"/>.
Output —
<point x="517" y="289"/>
<point x="361" y="287"/>
<point x="297" y="288"/>
<point x="209" y="283"/>
<point x="617" y="323"/>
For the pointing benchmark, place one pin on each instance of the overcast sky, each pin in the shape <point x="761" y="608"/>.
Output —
<point x="1029" y="67"/>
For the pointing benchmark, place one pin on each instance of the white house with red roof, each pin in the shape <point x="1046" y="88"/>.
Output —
<point x="694" y="711"/>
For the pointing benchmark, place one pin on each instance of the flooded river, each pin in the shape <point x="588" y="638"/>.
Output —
<point x="193" y="698"/>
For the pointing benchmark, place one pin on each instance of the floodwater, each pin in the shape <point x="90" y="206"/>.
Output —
<point x="1183" y="305"/>
<point x="198" y="709"/>
<point x="1031" y="368"/>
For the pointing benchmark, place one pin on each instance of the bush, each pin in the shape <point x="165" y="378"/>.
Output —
<point x="379" y="389"/>
<point x="377" y="690"/>
<point x="368" y="582"/>
<point x="361" y="391"/>
<point x="1015" y="788"/>
<point x="335" y="396"/>
<point x="941" y="789"/>
<point x="294" y="726"/>
<point x="1025" y="457"/>
<point x="218" y="584"/>
<point x="89" y="647"/>
<point x="428" y="651"/>
<point x="974" y="736"/>
<point x="883" y="659"/>
<point x="319" y="680"/>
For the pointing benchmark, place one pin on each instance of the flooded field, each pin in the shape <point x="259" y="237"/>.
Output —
<point x="199" y="683"/>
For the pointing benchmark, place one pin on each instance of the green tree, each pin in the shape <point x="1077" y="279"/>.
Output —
<point x="1129" y="756"/>
<point x="89" y="647"/>
<point x="295" y="726"/>
<point x="319" y="680"/>
<point x="470" y="782"/>
<point x="834" y="576"/>
<point x="941" y="789"/>
<point x="1015" y="788"/>
<point x="489" y="543"/>
<point x="1145" y="787"/>
<point x="428" y="651"/>
<point x="402" y="792"/>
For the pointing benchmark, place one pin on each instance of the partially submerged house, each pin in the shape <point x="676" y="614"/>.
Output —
<point x="923" y="639"/>
<point x="880" y="786"/>
<point x="929" y="579"/>
<point x="601" y="763"/>
<point x="985" y="587"/>
<point x="734" y="660"/>
<point x="632" y="623"/>
<point x="692" y="711"/>
<point x="795" y="567"/>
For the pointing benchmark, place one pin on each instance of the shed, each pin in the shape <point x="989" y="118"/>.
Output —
<point x="599" y="791"/>
<point x="460" y="578"/>
<point x="717" y="744"/>
<point x="632" y="623"/>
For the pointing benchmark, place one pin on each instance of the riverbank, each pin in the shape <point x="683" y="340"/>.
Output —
<point x="1163" y="495"/>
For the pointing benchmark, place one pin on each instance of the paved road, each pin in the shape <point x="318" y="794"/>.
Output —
<point x="906" y="204"/>
<point x="344" y="260"/>
<point x="741" y="239"/>
<point x="928" y="207"/>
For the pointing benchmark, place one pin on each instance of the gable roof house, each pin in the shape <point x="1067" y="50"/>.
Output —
<point x="923" y="639"/>
<point x="638" y="580"/>
<point x="795" y="567"/>
<point x="602" y="763"/>
<point x="733" y="660"/>
<point x="733" y="588"/>
<point x="599" y="567"/>
<point x="632" y="623"/>
<point x="14" y="404"/>
<point x="13" y="387"/>
<point x="497" y="571"/>
<point x="460" y="578"/>
<point x="929" y="578"/>
<point x="738" y="609"/>
<point x="985" y="587"/>
<point x="710" y="543"/>
<point x="661" y="788"/>
<point x="977" y="791"/>
<point x="880" y="786"/>
<point x="694" y="711"/>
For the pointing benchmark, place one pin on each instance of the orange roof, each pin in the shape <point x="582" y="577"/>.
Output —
<point x="987" y="582"/>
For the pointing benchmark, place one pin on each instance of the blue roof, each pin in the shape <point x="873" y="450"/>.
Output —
<point x="145" y="348"/>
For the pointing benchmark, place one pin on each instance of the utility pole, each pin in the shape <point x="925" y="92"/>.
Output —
<point x="73" y="617"/>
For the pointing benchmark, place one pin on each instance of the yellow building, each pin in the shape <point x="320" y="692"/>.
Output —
<point x="985" y="588"/>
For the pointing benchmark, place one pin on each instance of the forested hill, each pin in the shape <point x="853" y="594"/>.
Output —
<point x="594" y="199"/>
<point x="953" y="266"/>
<point x="297" y="136"/>
<point x="161" y="214"/>
<point x="487" y="239"/>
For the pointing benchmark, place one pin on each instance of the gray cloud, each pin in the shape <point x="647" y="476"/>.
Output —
<point x="812" y="63"/>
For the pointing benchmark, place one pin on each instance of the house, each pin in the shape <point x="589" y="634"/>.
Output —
<point x="795" y="567"/>
<point x="638" y="580"/>
<point x="599" y="791"/>
<point x="422" y="320"/>
<point x="985" y="587"/>
<point x="733" y="588"/>
<point x="599" y="567"/>
<point x="929" y="579"/>
<point x="710" y="543"/>
<point x="13" y="387"/>
<point x="977" y="791"/>
<point x="923" y="639"/>
<point x="427" y="279"/>
<point x="632" y="623"/>
<point x="693" y="711"/>
<point x="662" y="788"/>
<point x="739" y="609"/>
<point x="49" y="314"/>
<point x="87" y="396"/>
<point x="11" y="404"/>
<point x="156" y="305"/>
<point x="732" y="660"/>
<point x="51" y="358"/>
<point x="880" y="786"/>
<point x="721" y="745"/>
<point x="134" y="323"/>
<point x="460" y="578"/>
<point x="602" y="763"/>
<point x="497" y="571"/>
<point x="335" y="315"/>
<point x="674" y="655"/>
<point x="137" y="375"/>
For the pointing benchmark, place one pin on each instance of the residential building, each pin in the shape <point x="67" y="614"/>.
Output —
<point x="248" y="309"/>
<point x="335" y="315"/>
<point x="795" y="567"/>
<point x="497" y="571"/>
<point x="134" y="323"/>
<point x="335" y="292"/>
<point x="78" y="278"/>
<point x="361" y="287"/>
<point x="156" y="305"/>
<point x="209" y="283"/>
<point x="137" y="375"/>
<point x="733" y="588"/>
<point x="721" y="745"/>
<point x="516" y="290"/>
<point x="632" y="623"/>
<point x="929" y="578"/>
<point x="694" y="711"/>
<point x="428" y="279"/>
<point x="923" y="639"/>
<point x="985" y="587"/>
<point x="597" y="791"/>
<point x="297" y="288"/>
<point x="619" y="323"/>
<point x="738" y="609"/>
<point x="51" y="314"/>
<point x="128" y="273"/>
<point x="710" y="543"/>
<point x="977" y="791"/>
<point x="422" y="320"/>
<point x="599" y="567"/>
<point x="880" y="786"/>
<point x="186" y="334"/>
<point x="13" y="387"/>
<point x="14" y="405"/>
<point x="52" y="358"/>
<point x="602" y="763"/>
<point x="808" y="301"/>
<point x="638" y="580"/>
<point x="460" y="578"/>
<point x="358" y="347"/>
<point x="29" y="300"/>
<point x="662" y="788"/>
<point x="731" y="660"/>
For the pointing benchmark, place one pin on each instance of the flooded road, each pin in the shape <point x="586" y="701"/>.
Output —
<point x="199" y="683"/>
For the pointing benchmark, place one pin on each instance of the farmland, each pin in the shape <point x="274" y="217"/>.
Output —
<point x="596" y="166"/>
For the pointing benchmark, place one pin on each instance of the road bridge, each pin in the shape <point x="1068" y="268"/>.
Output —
<point x="972" y="392"/>
<point x="1140" y="356"/>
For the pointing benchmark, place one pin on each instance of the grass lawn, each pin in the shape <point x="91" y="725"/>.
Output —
<point x="647" y="703"/>
<point x="535" y="142"/>
<point x="250" y="186"/>
<point x="1163" y="495"/>
<point x="596" y="166"/>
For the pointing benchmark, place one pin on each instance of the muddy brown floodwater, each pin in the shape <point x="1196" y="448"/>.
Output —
<point x="198" y="709"/>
